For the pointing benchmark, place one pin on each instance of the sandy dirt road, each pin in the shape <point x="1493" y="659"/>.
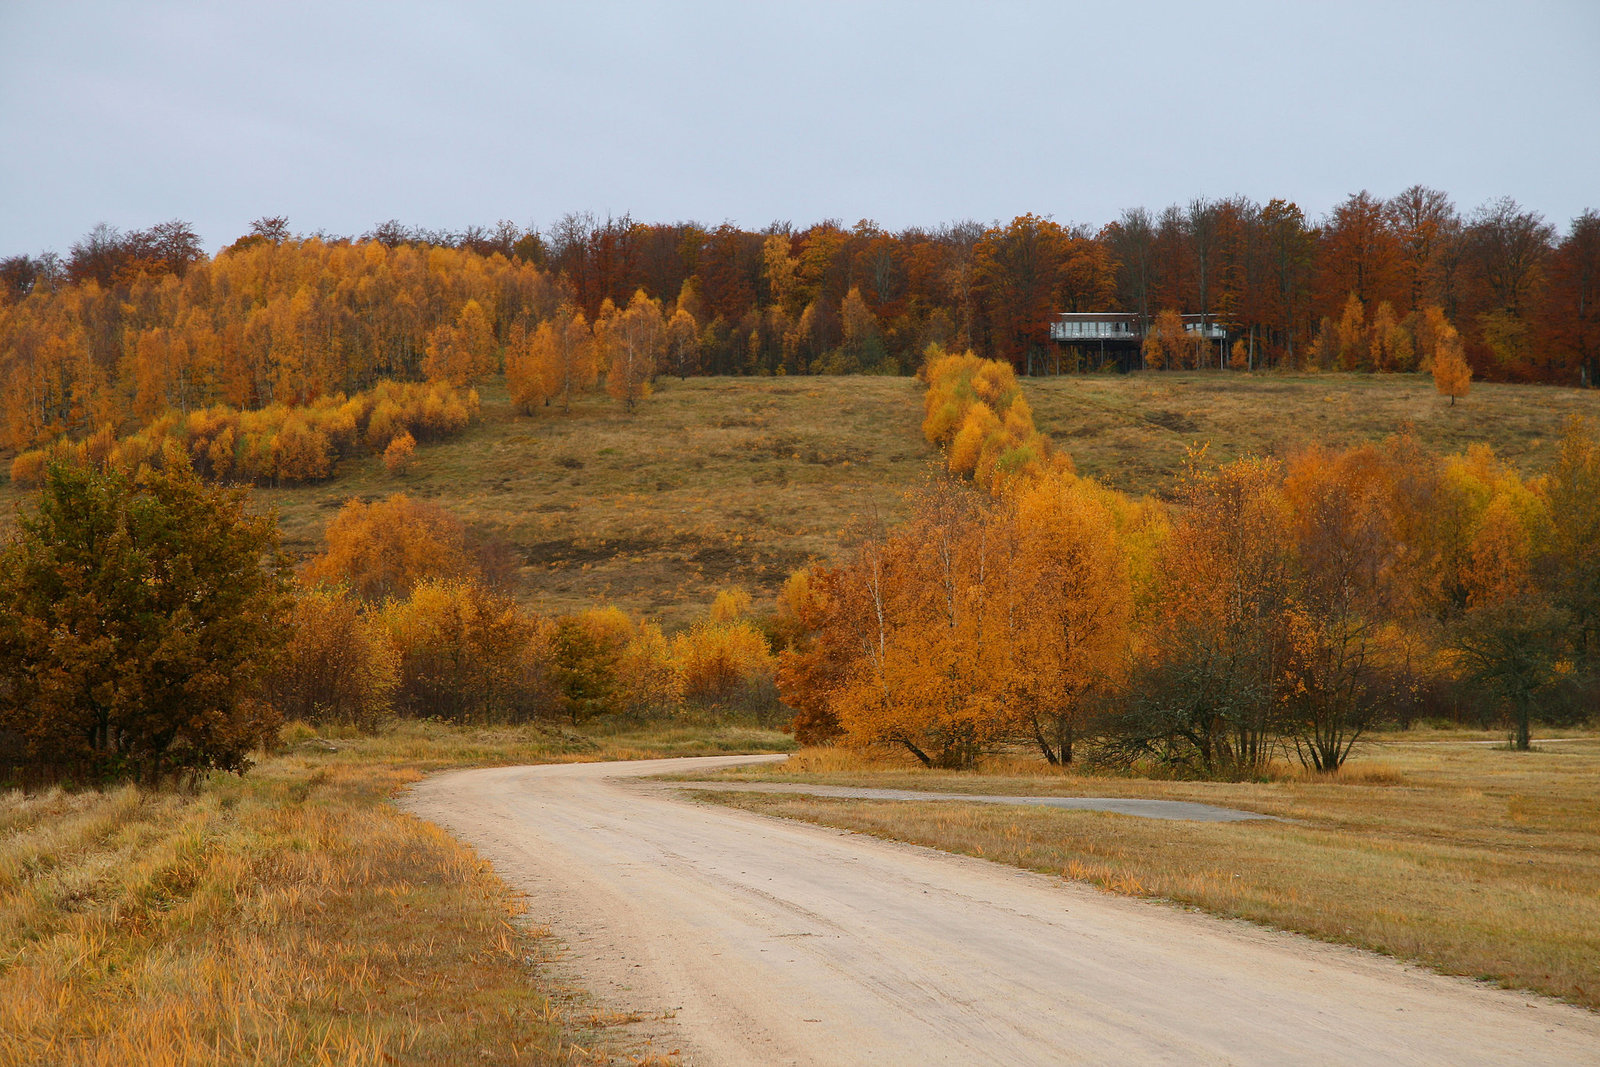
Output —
<point x="748" y="940"/>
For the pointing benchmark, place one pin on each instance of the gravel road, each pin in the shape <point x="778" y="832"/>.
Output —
<point x="746" y="940"/>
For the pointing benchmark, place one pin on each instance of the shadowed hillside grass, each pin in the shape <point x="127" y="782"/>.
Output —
<point x="1133" y="431"/>
<point x="292" y="916"/>
<point x="1464" y="856"/>
<point x="715" y="482"/>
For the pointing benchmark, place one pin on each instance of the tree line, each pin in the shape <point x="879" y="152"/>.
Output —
<point x="131" y="324"/>
<point x="1278" y="607"/>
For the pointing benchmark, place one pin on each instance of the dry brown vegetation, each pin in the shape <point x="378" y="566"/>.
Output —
<point x="736" y="481"/>
<point x="289" y="916"/>
<point x="714" y="482"/>
<point x="1444" y="849"/>
<point x="1133" y="432"/>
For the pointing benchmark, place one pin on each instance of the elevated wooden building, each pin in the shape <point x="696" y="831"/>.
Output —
<point x="1097" y="336"/>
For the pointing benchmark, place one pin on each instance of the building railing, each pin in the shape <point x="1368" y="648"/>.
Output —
<point x="1076" y="331"/>
<point x="1078" y="326"/>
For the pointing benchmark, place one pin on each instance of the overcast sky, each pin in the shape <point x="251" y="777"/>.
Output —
<point x="341" y="115"/>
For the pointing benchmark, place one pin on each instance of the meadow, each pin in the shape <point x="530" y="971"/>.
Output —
<point x="1134" y="432"/>
<point x="293" y="915"/>
<point x="1439" y="847"/>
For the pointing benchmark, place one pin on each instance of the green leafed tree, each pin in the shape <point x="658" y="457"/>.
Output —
<point x="138" y="615"/>
<point x="1511" y="652"/>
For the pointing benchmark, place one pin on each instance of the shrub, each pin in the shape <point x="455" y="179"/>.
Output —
<point x="384" y="549"/>
<point x="716" y="662"/>
<point x="278" y="442"/>
<point x="338" y="666"/>
<point x="583" y="669"/>
<point x="468" y="655"/>
<point x="301" y="453"/>
<point x="27" y="469"/>
<point x="138" y="614"/>
<point x="398" y="456"/>
<point x="730" y="605"/>
<point x="645" y="680"/>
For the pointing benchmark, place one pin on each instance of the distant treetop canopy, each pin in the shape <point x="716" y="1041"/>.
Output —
<point x="131" y="324"/>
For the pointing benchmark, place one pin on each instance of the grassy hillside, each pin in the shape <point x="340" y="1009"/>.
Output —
<point x="716" y="481"/>
<point x="736" y="481"/>
<point x="1132" y="431"/>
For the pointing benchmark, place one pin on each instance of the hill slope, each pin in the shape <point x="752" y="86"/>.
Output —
<point x="736" y="481"/>
<point x="1133" y="431"/>
<point x="714" y="482"/>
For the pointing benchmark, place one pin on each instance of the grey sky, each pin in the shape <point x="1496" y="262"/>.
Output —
<point x="341" y="115"/>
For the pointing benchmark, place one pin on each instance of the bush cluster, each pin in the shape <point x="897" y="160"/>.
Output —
<point x="401" y="616"/>
<point x="974" y="408"/>
<point x="274" y="445"/>
<point x="1272" y="609"/>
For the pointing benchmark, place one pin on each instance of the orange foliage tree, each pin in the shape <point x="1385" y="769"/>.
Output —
<point x="1069" y="594"/>
<point x="463" y="352"/>
<point x="556" y="362"/>
<point x="1165" y="344"/>
<point x="632" y="339"/>
<point x="338" y="666"/>
<point x="1451" y="375"/>
<point x="386" y="548"/>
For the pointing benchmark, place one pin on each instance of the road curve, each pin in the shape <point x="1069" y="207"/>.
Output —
<point x="749" y="940"/>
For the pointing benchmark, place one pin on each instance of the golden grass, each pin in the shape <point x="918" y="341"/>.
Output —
<point x="1132" y="431"/>
<point x="292" y="916"/>
<point x="715" y="482"/>
<point x="1466" y="857"/>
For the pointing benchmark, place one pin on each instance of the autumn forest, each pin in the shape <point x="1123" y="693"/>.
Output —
<point x="1268" y="605"/>
<point x="131" y="325"/>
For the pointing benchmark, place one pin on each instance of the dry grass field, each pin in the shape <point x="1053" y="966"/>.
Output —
<point x="737" y="481"/>
<point x="1446" y="849"/>
<point x="1133" y="431"/>
<point x="292" y="916"/>
<point x="715" y="482"/>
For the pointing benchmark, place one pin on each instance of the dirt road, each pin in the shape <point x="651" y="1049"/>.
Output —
<point x="748" y="940"/>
